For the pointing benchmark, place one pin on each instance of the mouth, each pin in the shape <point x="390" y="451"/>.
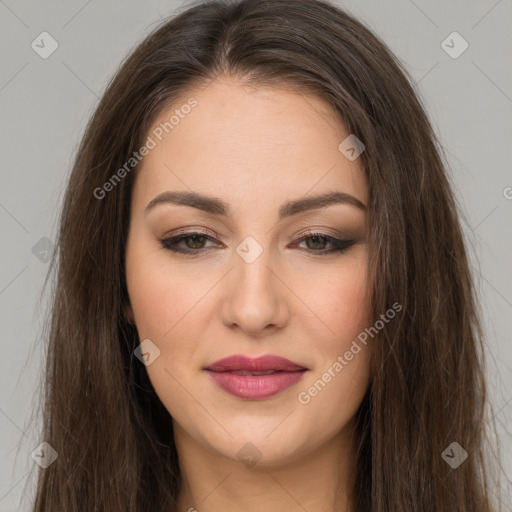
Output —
<point x="255" y="379"/>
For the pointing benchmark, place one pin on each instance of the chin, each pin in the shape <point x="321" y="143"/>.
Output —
<point x="256" y="448"/>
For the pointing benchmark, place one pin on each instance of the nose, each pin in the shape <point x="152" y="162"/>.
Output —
<point x="255" y="297"/>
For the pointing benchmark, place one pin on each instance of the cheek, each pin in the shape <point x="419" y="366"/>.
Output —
<point x="342" y="369"/>
<point x="168" y="310"/>
<point x="338" y="296"/>
<point x="160" y="300"/>
<point x="164" y="295"/>
<point x="347" y="304"/>
<point x="172" y="306"/>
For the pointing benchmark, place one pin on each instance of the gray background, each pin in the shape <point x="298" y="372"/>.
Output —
<point x="45" y="103"/>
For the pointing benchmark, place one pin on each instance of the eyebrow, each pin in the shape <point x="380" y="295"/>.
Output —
<point x="216" y="206"/>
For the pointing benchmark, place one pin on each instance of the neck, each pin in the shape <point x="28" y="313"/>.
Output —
<point x="319" y="481"/>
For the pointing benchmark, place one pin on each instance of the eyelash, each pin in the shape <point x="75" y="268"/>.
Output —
<point x="339" y="245"/>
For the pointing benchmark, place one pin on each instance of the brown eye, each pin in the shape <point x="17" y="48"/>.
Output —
<point x="193" y="243"/>
<point x="316" y="242"/>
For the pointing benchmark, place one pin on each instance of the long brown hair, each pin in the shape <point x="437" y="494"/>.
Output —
<point x="113" y="436"/>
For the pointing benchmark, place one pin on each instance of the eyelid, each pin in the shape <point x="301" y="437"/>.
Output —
<point x="323" y="231"/>
<point x="189" y="231"/>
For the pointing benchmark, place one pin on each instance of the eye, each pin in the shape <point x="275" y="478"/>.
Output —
<point x="194" y="243"/>
<point x="316" y="242"/>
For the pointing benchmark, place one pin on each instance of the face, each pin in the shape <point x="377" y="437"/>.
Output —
<point x="254" y="268"/>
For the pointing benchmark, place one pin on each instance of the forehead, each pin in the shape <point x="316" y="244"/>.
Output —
<point x="260" y="143"/>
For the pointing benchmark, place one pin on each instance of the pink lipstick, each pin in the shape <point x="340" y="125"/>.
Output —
<point x="255" y="379"/>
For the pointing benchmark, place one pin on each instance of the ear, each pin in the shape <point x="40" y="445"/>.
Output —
<point x="128" y="314"/>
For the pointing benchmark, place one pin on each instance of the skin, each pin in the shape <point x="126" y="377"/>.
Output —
<point x="254" y="148"/>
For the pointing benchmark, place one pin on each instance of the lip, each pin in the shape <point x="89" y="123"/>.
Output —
<point x="253" y="386"/>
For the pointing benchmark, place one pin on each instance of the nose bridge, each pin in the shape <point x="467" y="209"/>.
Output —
<point x="253" y="274"/>
<point x="254" y="301"/>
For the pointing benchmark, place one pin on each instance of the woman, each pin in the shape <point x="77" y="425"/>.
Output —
<point x="263" y="297"/>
